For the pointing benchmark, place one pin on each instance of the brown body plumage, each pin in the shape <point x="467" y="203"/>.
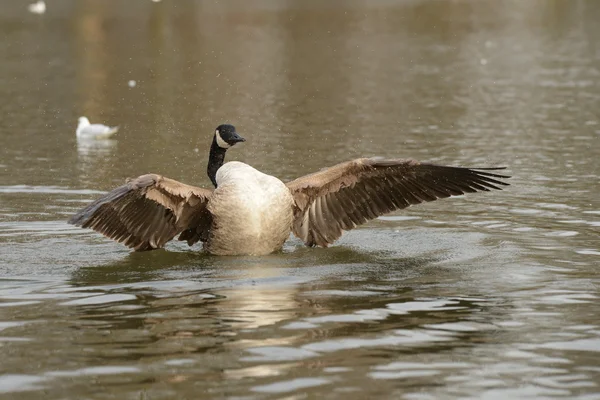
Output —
<point x="253" y="213"/>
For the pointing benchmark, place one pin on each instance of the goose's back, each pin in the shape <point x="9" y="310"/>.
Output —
<point x="252" y="212"/>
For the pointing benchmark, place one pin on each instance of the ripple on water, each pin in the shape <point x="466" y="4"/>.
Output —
<point x="18" y="303"/>
<point x="570" y="381"/>
<point x="405" y="370"/>
<point x="535" y="357"/>
<point x="11" y="324"/>
<point x="278" y="353"/>
<point x="102" y="299"/>
<point x="40" y="228"/>
<point x="403" y="374"/>
<point x="561" y="233"/>
<point x="398" y="217"/>
<point x="100" y="370"/>
<point x="400" y="337"/>
<point x="11" y="383"/>
<point x="377" y="313"/>
<point x="556" y="206"/>
<point x="566" y="297"/>
<point x="343" y="293"/>
<point x="591" y="344"/>
<point x="20" y="383"/>
<point x="291" y="385"/>
<point x="47" y="190"/>
<point x="589" y="252"/>
<point x="462" y="326"/>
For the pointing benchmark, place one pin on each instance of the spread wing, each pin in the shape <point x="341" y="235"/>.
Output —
<point x="148" y="211"/>
<point x="339" y="198"/>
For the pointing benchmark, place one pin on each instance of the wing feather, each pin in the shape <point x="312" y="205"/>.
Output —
<point x="147" y="212"/>
<point x="339" y="198"/>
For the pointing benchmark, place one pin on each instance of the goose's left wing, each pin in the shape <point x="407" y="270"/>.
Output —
<point x="339" y="198"/>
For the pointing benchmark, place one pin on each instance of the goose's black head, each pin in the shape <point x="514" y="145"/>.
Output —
<point x="226" y="136"/>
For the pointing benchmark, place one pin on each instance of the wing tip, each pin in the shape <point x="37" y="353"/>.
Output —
<point x="76" y="219"/>
<point x="482" y="172"/>
<point x="82" y="216"/>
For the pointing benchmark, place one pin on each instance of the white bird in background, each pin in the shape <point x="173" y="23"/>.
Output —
<point x="85" y="130"/>
<point x="37" y="8"/>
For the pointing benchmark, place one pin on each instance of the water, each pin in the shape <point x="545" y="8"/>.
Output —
<point x="486" y="296"/>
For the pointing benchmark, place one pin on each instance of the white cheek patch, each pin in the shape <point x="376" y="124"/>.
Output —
<point x="222" y="144"/>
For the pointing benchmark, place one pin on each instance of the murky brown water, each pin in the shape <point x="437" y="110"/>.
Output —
<point x="489" y="296"/>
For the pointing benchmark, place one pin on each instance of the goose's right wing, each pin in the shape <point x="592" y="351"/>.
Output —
<point x="339" y="198"/>
<point x="148" y="211"/>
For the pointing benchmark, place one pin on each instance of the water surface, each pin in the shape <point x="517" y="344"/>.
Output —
<point x="486" y="296"/>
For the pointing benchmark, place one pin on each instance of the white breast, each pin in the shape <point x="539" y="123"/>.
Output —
<point x="252" y="211"/>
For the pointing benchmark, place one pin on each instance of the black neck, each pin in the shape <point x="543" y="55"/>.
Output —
<point x="215" y="161"/>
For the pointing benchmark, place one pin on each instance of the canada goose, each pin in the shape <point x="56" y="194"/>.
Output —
<point x="85" y="130"/>
<point x="252" y="213"/>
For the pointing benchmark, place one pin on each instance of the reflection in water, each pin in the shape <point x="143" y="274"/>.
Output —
<point x="87" y="150"/>
<point x="475" y="297"/>
<point x="139" y="308"/>
<point x="94" y="158"/>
